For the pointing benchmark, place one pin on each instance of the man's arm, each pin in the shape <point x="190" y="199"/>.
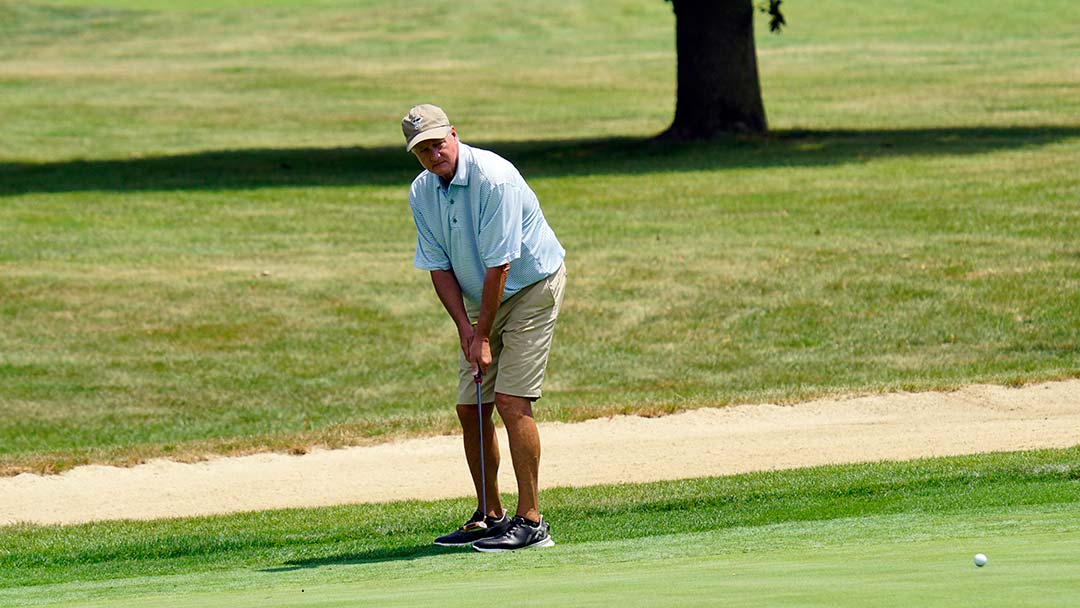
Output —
<point x="494" y="284"/>
<point x="449" y="292"/>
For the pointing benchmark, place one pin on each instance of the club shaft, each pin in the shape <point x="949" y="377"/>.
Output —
<point x="480" y="419"/>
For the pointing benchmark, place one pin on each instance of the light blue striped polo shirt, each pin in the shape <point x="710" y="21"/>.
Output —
<point x="486" y="217"/>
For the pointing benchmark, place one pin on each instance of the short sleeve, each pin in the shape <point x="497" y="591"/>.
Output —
<point x="500" y="226"/>
<point x="430" y="255"/>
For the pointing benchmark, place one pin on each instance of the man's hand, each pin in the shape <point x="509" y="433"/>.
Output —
<point x="466" y="333"/>
<point x="479" y="354"/>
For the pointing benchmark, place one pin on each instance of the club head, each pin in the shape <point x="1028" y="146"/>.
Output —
<point x="475" y="526"/>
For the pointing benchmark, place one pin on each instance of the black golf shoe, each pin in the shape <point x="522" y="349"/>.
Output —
<point x="472" y="531"/>
<point x="521" y="534"/>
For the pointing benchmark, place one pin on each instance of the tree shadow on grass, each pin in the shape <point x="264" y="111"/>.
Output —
<point x="392" y="166"/>
<point x="365" y="557"/>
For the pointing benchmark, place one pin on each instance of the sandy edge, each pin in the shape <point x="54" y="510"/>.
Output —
<point x="704" y="442"/>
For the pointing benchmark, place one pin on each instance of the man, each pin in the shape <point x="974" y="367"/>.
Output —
<point x="497" y="268"/>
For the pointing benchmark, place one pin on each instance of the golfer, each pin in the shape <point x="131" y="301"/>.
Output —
<point x="497" y="268"/>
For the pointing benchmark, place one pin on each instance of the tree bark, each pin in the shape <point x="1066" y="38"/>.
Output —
<point x="718" y="88"/>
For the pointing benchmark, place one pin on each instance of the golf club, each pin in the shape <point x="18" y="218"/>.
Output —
<point x="480" y="525"/>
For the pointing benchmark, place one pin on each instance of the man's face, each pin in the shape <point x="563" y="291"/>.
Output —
<point x="439" y="155"/>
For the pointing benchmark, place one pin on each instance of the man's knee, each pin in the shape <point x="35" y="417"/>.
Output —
<point x="466" y="412"/>
<point x="513" y="408"/>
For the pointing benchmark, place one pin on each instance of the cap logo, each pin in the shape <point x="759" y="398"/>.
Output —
<point x="416" y="120"/>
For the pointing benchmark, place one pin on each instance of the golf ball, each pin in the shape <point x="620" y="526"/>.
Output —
<point x="980" y="560"/>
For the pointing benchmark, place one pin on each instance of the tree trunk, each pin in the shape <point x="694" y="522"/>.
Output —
<point x="718" y="88"/>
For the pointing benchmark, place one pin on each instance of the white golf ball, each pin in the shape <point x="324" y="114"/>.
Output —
<point x="980" y="560"/>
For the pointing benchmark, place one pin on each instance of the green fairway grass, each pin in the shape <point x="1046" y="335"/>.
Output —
<point x="205" y="245"/>
<point x="1031" y="569"/>
<point x="890" y="534"/>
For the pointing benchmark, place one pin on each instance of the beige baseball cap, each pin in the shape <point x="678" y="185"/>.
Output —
<point x="424" y="122"/>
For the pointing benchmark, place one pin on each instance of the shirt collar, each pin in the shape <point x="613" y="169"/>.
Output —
<point x="465" y="158"/>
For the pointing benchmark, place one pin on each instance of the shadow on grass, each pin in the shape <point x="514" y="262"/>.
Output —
<point x="392" y="166"/>
<point x="366" y="557"/>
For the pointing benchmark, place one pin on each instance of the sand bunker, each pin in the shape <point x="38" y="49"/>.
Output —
<point x="704" y="442"/>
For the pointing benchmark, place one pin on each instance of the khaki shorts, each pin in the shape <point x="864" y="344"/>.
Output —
<point x="520" y="342"/>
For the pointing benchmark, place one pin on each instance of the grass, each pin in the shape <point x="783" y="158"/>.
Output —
<point x="204" y="247"/>
<point x="886" y="574"/>
<point x="837" y="535"/>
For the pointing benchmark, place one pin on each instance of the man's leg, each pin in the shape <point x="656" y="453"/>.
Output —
<point x="524" y="438"/>
<point x="471" y="435"/>
<point x="497" y="523"/>
<point x="527" y="528"/>
<point x="525" y="331"/>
